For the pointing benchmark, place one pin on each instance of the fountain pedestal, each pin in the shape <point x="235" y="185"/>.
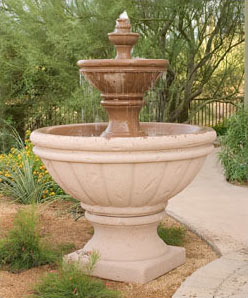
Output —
<point x="117" y="239"/>
<point x="124" y="185"/>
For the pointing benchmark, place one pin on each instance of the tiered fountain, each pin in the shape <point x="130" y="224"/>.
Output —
<point x="124" y="172"/>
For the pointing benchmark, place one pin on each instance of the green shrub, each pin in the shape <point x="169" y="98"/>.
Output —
<point x="70" y="282"/>
<point x="172" y="235"/>
<point x="24" y="178"/>
<point x="220" y="128"/>
<point x="234" y="148"/>
<point x="7" y="136"/>
<point x="23" y="247"/>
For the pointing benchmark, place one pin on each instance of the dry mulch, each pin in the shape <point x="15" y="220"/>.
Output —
<point x="59" y="226"/>
<point x="236" y="183"/>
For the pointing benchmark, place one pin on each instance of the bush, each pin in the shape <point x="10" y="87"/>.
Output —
<point x="23" y="247"/>
<point x="172" y="236"/>
<point x="220" y="128"/>
<point x="71" y="282"/>
<point x="7" y="135"/>
<point x="24" y="178"/>
<point x="234" y="148"/>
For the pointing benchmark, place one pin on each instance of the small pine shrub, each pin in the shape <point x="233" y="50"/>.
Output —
<point x="71" y="282"/>
<point x="234" y="148"/>
<point x="24" y="178"/>
<point x="23" y="247"/>
<point x="172" y="236"/>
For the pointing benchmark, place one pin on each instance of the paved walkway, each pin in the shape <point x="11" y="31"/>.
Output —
<point x="218" y="211"/>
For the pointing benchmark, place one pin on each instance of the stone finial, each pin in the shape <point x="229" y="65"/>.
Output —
<point x="122" y="38"/>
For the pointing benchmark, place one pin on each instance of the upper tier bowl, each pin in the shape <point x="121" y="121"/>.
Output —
<point x="114" y="77"/>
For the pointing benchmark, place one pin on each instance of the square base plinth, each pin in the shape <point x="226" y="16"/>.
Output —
<point x="136" y="271"/>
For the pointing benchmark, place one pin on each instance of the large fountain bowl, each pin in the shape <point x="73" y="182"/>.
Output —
<point x="124" y="185"/>
<point x="123" y="176"/>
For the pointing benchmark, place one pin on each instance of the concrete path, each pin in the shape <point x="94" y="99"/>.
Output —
<point x="222" y="278"/>
<point x="218" y="211"/>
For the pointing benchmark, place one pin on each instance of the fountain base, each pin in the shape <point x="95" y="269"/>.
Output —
<point x="130" y="249"/>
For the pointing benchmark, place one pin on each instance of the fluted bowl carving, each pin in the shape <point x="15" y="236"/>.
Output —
<point x="123" y="176"/>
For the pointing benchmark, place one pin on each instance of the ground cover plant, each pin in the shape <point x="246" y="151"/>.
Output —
<point x="172" y="235"/>
<point x="23" y="247"/>
<point x="24" y="178"/>
<point x="71" y="281"/>
<point x="234" y="148"/>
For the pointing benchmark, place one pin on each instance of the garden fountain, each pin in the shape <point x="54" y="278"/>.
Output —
<point x="124" y="172"/>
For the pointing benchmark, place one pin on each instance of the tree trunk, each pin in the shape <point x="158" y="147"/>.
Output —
<point x="184" y="114"/>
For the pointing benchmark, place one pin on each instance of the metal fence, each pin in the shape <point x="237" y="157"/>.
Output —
<point x="201" y="112"/>
<point x="52" y="115"/>
<point x="210" y="113"/>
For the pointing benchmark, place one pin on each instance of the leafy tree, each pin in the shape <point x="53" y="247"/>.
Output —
<point x="41" y="41"/>
<point x="203" y="41"/>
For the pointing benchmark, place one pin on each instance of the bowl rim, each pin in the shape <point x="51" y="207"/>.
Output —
<point x="198" y="136"/>
<point x="134" y="62"/>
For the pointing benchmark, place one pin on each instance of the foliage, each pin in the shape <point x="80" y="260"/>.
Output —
<point x="23" y="247"/>
<point x="8" y="136"/>
<point x="172" y="235"/>
<point x="24" y="178"/>
<point x="234" y="148"/>
<point x="220" y="128"/>
<point x="41" y="41"/>
<point x="203" y="41"/>
<point x="70" y="282"/>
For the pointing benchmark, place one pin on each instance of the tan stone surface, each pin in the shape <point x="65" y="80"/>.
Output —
<point x="125" y="182"/>
<point x="129" y="249"/>
<point x="123" y="176"/>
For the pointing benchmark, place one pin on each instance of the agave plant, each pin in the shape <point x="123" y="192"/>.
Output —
<point x="19" y="183"/>
<point x="23" y="177"/>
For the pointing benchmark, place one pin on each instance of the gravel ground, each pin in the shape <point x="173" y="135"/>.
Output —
<point x="59" y="226"/>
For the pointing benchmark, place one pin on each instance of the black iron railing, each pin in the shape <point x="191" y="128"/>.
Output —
<point x="201" y="112"/>
<point x="212" y="112"/>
